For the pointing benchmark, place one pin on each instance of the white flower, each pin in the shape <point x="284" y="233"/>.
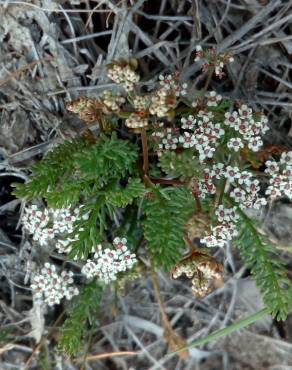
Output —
<point x="199" y="53"/>
<point x="244" y="178"/>
<point x="259" y="202"/>
<point x="188" y="140"/>
<point x="238" y="195"/>
<point x="202" y="142"/>
<point x="171" y="83"/>
<point x="273" y="192"/>
<point x="166" y="81"/>
<point x="231" y="119"/>
<point x="252" y="186"/>
<point x="286" y="158"/>
<point x="140" y="102"/>
<point x="213" y="99"/>
<point x="225" y="231"/>
<point x="123" y="75"/>
<point x="226" y="214"/>
<point x="188" y="123"/>
<point x="255" y="143"/>
<point x="286" y="189"/>
<point x="219" y="68"/>
<point x="218" y="170"/>
<point x="112" y="101"/>
<point x="212" y="241"/>
<point x="160" y="104"/>
<point x="245" y="112"/>
<point x="206" y="152"/>
<point x="232" y="173"/>
<point x="170" y="142"/>
<point x="207" y="116"/>
<point x="216" y="131"/>
<point x="243" y="128"/>
<point x="287" y="172"/>
<point x="44" y="226"/>
<point x="108" y="262"/>
<point x="135" y="121"/>
<point x="52" y="287"/>
<point x="235" y="144"/>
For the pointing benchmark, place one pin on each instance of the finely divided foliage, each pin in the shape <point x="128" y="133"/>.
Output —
<point x="160" y="160"/>
<point x="166" y="216"/>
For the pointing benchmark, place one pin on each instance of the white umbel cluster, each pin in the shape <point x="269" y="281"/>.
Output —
<point x="51" y="287"/>
<point x="107" y="263"/>
<point x="135" y="121"/>
<point x="281" y="177"/>
<point x="171" y="82"/>
<point x="140" y="102"/>
<point x="123" y="75"/>
<point x="48" y="224"/>
<point x="112" y="101"/>
<point x="159" y="103"/>
<point x="248" y="126"/>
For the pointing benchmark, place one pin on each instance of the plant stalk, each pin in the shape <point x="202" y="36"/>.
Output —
<point x="230" y="329"/>
<point x="145" y="151"/>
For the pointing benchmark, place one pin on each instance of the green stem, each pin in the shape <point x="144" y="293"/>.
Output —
<point x="221" y="193"/>
<point x="230" y="329"/>
<point x="209" y="77"/>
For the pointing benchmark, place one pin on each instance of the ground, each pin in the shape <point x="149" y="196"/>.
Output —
<point x="53" y="52"/>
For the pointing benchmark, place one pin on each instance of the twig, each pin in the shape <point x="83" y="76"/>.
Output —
<point x="172" y="338"/>
<point x="23" y="69"/>
<point x="106" y="355"/>
<point x="53" y="10"/>
<point x="145" y="151"/>
<point x="39" y="346"/>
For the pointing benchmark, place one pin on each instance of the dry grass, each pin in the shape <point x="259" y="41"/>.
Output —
<point x="52" y="52"/>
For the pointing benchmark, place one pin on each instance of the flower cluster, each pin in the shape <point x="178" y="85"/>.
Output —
<point x="162" y="102"/>
<point x="213" y="60"/>
<point x="86" y="108"/>
<point x="51" y="287"/>
<point x="165" y="98"/>
<point x="124" y="75"/>
<point x="171" y="83"/>
<point x="202" y="269"/>
<point x="201" y="133"/>
<point x="136" y="121"/>
<point x="140" y="103"/>
<point x="112" y="101"/>
<point x="225" y="230"/>
<point x="249" y="126"/>
<point x="165" y="138"/>
<point x="281" y="177"/>
<point x="205" y="136"/>
<point x="48" y="224"/>
<point x="107" y="263"/>
<point x="244" y="187"/>
<point x="213" y="99"/>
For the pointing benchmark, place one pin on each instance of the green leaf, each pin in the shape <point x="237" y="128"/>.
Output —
<point x="166" y="216"/>
<point x="68" y="194"/>
<point x="90" y="231"/>
<point x="226" y="331"/>
<point x="182" y="165"/>
<point x="260" y="255"/>
<point x="110" y="158"/>
<point x="77" y="169"/>
<point x="122" y="196"/>
<point x="46" y="174"/>
<point x="82" y="314"/>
